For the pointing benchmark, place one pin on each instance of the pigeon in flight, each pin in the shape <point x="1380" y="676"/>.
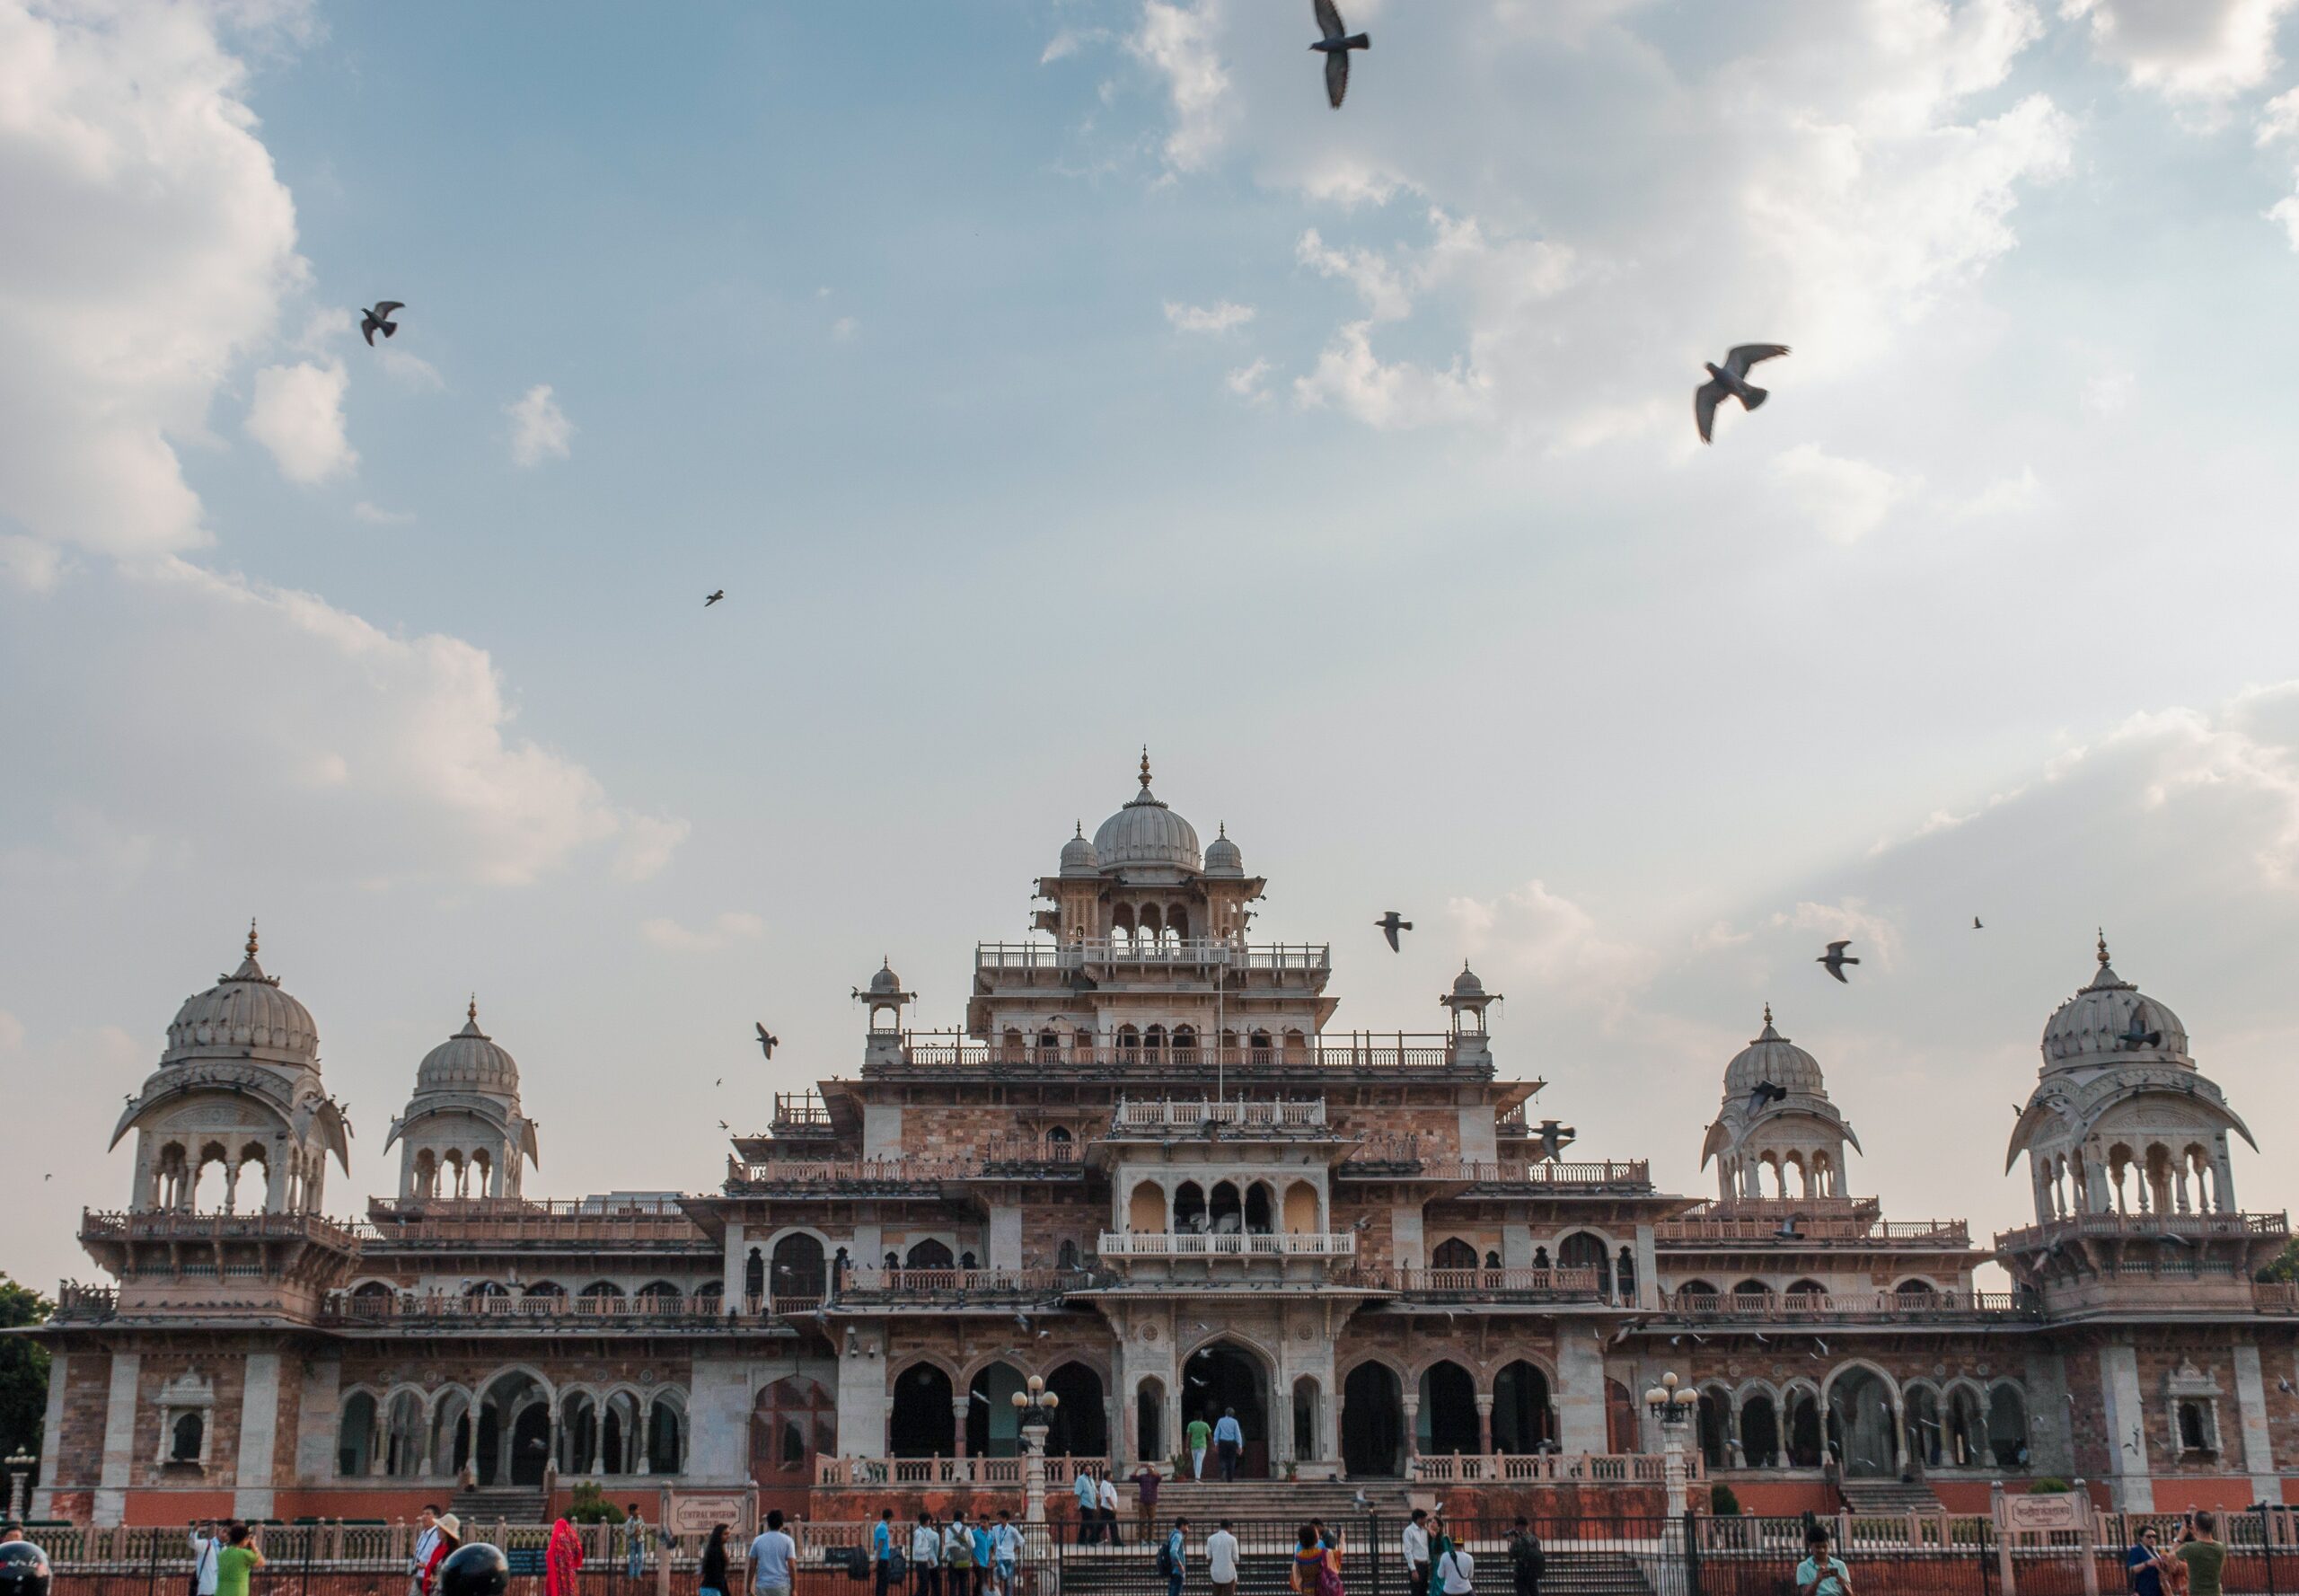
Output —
<point x="1835" y="960"/>
<point x="1729" y="381"/>
<point x="379" y="320"/>
<point x="1769" y="1091"/>
<point x="1336" y="44"/>
<point x="1976" y="924"/>
<point x="714" y="598"/>
<point x="767" y="1040"/>
<point x="1553" y="1138"/>
<point x="1391" y="923"/>
<point x="2136" y="1037"/>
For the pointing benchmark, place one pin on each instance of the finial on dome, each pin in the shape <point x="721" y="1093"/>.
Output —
<point x="1224" y="827"/>
<point x="251" y="936"/>
<point x="471" y="1014"/>
<point x="1767" y="1013"/>
<point x="2103" y="945"/>
<point x="1081" y="828"/>
<point x="1145" y="767"/>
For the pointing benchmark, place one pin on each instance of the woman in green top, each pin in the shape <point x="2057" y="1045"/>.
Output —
<point x="235" y="1562"/>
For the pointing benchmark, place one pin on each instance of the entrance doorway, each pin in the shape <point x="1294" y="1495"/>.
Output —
<point x="1226" y="1378"/>
<point x="1863" y="1429"/>
<point x="1372" y="1422"/>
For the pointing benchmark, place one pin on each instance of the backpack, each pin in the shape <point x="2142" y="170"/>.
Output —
<point x="1525" y="1555"/>
<point x="1165" y="1559"/>
<point x="961" y="1554"/>
<point x="897" y="1564"/>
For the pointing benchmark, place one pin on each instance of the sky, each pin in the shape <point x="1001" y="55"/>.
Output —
<point x="1047" y="378"/>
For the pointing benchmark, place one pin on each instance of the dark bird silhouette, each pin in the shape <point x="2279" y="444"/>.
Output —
<point x="767" y="1040"/>
<point x="2137" y="1035"/>
<point x="379" y="320"/>
<point x="723" y="1125"/>
<point x="1729" y="381"/>
<point x="1553" y="1138"/>
<point x="1335" y="46"/>
<point x="1835" y="960"/>
<point x="714" y="598"/>
<point x="1391" y="923"/>
<point x="1767" y="1091"/>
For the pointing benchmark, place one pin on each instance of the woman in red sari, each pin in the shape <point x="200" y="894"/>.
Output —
<point x="562" y="1561"/>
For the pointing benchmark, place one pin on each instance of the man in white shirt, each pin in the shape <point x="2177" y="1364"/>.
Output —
<point x="1109" y="1509"/>
<point x="205" y="1545"/>
<point x="1221" y="1561"/>
<point x="1456" y="1571"/>
<point x="1005" y="1553"/>
<point x="926" y="1556"/>
<point x="774" y="1558"/>
<point x="1415" y="1544"/>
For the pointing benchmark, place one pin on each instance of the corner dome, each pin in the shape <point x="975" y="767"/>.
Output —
<point x="468" y="1060"/>
<point x="243" y="1016"/>
<point x="1465" y="984"/>
<point x="1222" y="859"/>
<point x="1772" y="1057"/>
<point x="885" y="982"/>
<point x="1078" y="856"/>
<point x="2112" y="1021"/>
<point x="1147" y="833"/>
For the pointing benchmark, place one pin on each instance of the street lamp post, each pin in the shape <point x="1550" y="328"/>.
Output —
<point x="1672" y="1406"/>
<point x="1034" y="1404"/>
<point x="20" y="1468"/>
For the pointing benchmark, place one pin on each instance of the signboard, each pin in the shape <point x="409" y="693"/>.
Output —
<point x="526" y="1560"/>
<point x="697" y="1513"/>
<point x="2031" y="1514"/>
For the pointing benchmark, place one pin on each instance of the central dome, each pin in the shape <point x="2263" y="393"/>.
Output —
<point x="1147" y="833"/>
<point x="1772" y="1057"/>
<point x="245" y="1014"/>
<point x="468" y="1060"/>
<point x="2111" y="1021"/>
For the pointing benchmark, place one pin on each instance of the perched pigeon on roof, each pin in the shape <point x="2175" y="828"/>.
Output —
<point x="1336" y="44"/>
<point x="1729" y="381"/>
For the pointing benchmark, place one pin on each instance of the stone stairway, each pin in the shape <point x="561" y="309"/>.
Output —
<point x="492" y="1504"/>
<point x="1205" y="1502"/>
<point x="1132" y="1572"/>
<point x="1888" y="1497"/>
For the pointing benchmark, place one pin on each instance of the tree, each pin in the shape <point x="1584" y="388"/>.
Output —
<point x="2285" y="1266"/>
<point x="23" y="1370"/>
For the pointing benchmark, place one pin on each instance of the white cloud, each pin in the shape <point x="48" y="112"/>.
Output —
<point x="1375" y="278"/>
<point x="730" y="926"/>
<point x="1221" y="316"/>
<point x="2196" y="51"/>
<point x="11" y="1032"/>
<point x="1846" y="499"/>
<point x="1175" y="40"/>
<point x="165" y="242"/>
<point x="1531" y="933"/>
<point x="375" y="514"/>
<point x="843" y="328"/>
<point x="298" y="414"/>
<point x="2109" y="391"/>
<point x="1393" y="396"/>
<point x="1246" y="381"/>
<point x="409" y="371"/>
<point x="647" y="845"/>
<point x="2007" y="495"/>
<point x="30" y="563"/>
<point x="540" y="430"/>
<point x="1876" y="939"/>
<point x="1069" y="42"/>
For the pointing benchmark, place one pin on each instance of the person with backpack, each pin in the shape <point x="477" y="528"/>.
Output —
<point x="1527" y="1562"/>
<point x="1172" y="1552"/>
<point x="958" y="1556"/>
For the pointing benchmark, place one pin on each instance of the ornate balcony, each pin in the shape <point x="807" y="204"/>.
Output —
<point x="944" y="1053"/>
<point x="1399" y="1158"/>
<point x="1162" y="1116"/>
<point x="2145" y="1227"/>
<point x="495" y="1224"/>
<point x="452" y="1311"/>
<point x="1448" y="1287"/>
<point x="1800" y="1231"/>
<point x="1196" y="953"/>
<point x="958" y="1288"/>
<point x="1543" y="1467"/>
<point x="885" y="1177"/>
<point x="1190" y="1244"/>
<point x="1799" y="1307"/>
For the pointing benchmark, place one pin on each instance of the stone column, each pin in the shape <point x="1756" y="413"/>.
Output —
<point x="118" y="1469"/>
<point x="718" y="1418"/>
<point x="958" y="1405"/>
<point x="1412" y="1404"/>
<point x="731" y="1268"/>
<point x="1648" y="1268"/>
<point x="2129" y="1482"/>
<point x="1579" y="1390"/>
<point x="1484" y="1423"/>
<point x="51" y="1445"/>
<point x="2251" y="1406"/>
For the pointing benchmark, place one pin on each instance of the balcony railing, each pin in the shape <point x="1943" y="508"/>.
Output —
<point x="176" y="1224"/>
<point x="651" y="1223"/>
<point x="960" y="1286"/>
<point x="552" y="1310"/>
<point x="799" y="1112"/>
<point x="1897" y="1307"/>
<point x="1388" y="1051"/>
<point x="1188" y="953"/>
<point x="1190" y="1244"/>
<point x="1560" y="1285"/>
<point x="2142" y="1226"/>
<point x="1529" y="1467"/>
<point x="1385" y="1157"/>
<point x="1768" y="1232"/>
<point x="1191" y="1114"/>
<point x="842" y="1174"/>
<point x="943" y="1471"/>
<point x="1037" y="1153"/>
<point x="77" y="1302"/>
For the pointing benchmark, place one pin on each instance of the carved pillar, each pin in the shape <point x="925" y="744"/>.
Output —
<point x="1484" y="1423"/>
<point x="1412" y="1428"/>
<point x="958" y="1425"/>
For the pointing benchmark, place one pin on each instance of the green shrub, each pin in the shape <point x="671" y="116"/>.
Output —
<point x="591" y="1506"/>
<point x="2050" y="1485"/>
<point x="1722" y="1502"/>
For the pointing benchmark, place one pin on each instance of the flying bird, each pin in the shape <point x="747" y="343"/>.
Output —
<point x="1553" y="1138"/>
<point x="1769" y="1091"/>
<point x="767" y="1040"/>
<point x="714" y="598"/>
<point x="1391" y="923"/>
<point x="379" y="320"/>
<point x="1835" y="960"/>
<point x="1976" y="924"/>
<point x="723" y="1125"/>
<point x="1335" y="46"/>
<point x="1729" y="381"/>
<point x="2136" y="1036"/>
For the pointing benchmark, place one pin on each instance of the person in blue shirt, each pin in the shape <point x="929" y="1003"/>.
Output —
<point x="2144" y="1563"/>
<point x="1228" y="1440"/>
<point x="882" y="1551"/>
<point x="1177" y="1546"/>
<point x="1089" y="1506"/>
<point x="981" y="1555"/>
<point x="1820" y="1574"/>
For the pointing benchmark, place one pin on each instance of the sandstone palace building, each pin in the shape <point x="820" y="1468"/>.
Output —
<point x="1145" y="1169"/>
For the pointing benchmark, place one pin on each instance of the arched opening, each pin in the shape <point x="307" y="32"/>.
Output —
<point x="1863" y="1431"/>
<point x="1759" y="1431"/>
<point x="1806" y="1449"/>
<point x="1623" y="1273"/>
<point x="1129" y="1045"/>
<point x="1258" y="1205"/>
<point x="1224" y="1378"/>
<point x="794" y="1422"/>
<point x="1145" y="1213"/>
<point x="1927" y="1437"/>
<point x="546" y="1291"/>
<point x="598" y="1292"/>
<point x="355" y="1434"/>
<point x="921" y="1425"/>
<point x="1620" y="1419"/>
<point x="800" y="1272"/>
<point x="1522" y="1421"/>
<point x="659" y="1295"/>
<point x="1153" y="1045"/>
<point x="1805" y="1294"/>
<point x="1149" y="1421"/>
<point x="1306" y="1418"/>
<point x="578" y="1433"/>
<point x="993" y="1427"/>
<point x="250" y="1180"/>
<point x="1584" y="1250"/>
<point x="184" y="1437"/>
<point x="1259" y="1049"/>
<point x="1967" y="1429"/>
<point x="1715" y="1428"/>
<point x="1751" y="1297"/>
<point x="530" y="1442"/>
<point x="1915" y="1291"/>
<point x="1447" y="1422"/>
<point x="2007" y="1427"/>
<point x="1225" y="1210"/>
<point x="1011" y="1045"/>
<point x="1189" y="1206"/>
<point x="1372" y="1422"/>
<point x="619" y="1434"/>
<point x="1453" y="1253"/>
<point x="1185" y="1045"/>
<point x="928" y="1254"/>
<point x="1080" y="1427"/>
<point x="666" y="1435"/>
<point x="450" y="1439"/>
<point x="1302" y="1209"/>
<point x="754" y="1274"/>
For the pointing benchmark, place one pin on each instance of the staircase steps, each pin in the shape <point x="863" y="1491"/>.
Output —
<point x="492" y="1504"/>
<point x="1132" y="1570"/>
<point x="1884" y="1497"/>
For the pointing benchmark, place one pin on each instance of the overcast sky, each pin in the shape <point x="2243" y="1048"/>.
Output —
<point x="1043" y="379"/>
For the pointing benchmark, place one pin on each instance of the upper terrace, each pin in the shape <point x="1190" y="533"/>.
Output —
<point x="1181" y="1056"/>
<point x="1152" y="953"/>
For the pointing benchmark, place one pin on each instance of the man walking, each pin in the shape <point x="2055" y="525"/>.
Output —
<point x="1089" y="1504"/>
<point x="774" y="1558"/>
<point x="635" y="1553"/>
<point x="958" y="1556"/>
<point x="1198" y="1435"/>
<point x="1109" y="1508"/>
<point x="1146" y="1481"/>
<point x="1527" y="1561"/>
<point x="1228" y="1440"/>
<point x="1221" y="1561"/>
<point x="882" y="1551"/>
<point x="1005" y="1554"/>
<point x="1171" y="1555"/>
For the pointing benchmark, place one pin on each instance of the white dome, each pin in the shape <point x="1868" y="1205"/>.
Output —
<point x="1078" y="856"/>
<point x="245" y="1014"/>
<point x="1146" y="832"/>
<point x="468" y="1060"/>
<point x="2111" y="1021"/>
<point x="1222" y="859"/>
<point x="1466" y="985"/>
<point x="1772" y="1057"/>
<point x="885" y="982"/>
